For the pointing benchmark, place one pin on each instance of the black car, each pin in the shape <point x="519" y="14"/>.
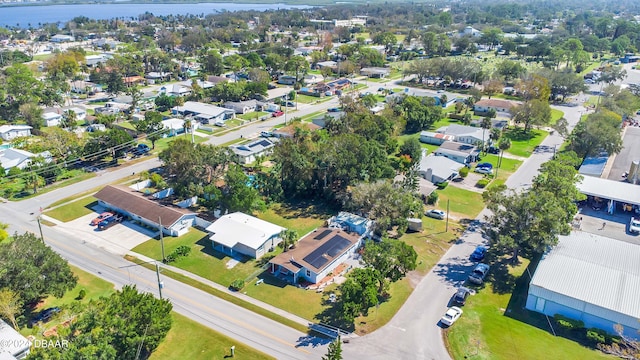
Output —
<point x="45" y="315"/>
<point x="493" y="150"/>
<point x="461" y="295"/>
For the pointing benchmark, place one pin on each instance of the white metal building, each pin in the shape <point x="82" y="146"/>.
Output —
<point x="239" y="233"/>
<point x="590" y="278"/>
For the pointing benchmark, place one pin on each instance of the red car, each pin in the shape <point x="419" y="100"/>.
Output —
<point x="278" y="113"/>
<point x="100" y="217"/>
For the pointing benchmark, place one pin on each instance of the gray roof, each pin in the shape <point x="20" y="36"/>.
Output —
<point x="440" y="166"/>
<point x="201" y="109"/>
<point x="610" y="189"/>
<point x="594" y="269"/>
<point x="458" y="148"/>
<point x="593" y="165"/>
<point x="463" y="130"/>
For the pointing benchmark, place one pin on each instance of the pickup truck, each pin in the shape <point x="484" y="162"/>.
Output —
<point x="109" y="222"/>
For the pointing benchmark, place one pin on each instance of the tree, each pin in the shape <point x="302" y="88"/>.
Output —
<point x="10" y="306"/>
<point x="503" y="145"/>
<point x="334" y="351"/>
<point x="152" y="126"/>
<point x="534" y="87"/>
<point x="491" y="37"/>
<point x="492" y="87"/>
<point x="413" y="148"/>
<point x="420" y="113"/>
<point x="486" y="125"/>
<point x="32" y="115"/>
<point x="358" y="294"/>
<point x="299" y="66"/>
<point x="533" y="112"/>
<point x="212" y="62"/>
<point x="115" y="83"/>
<point x="289" y="238"/>
<point x="237" y="195"/>
<point x="599" y="132"/>
<point x="391" y="260"/>
<point x="510" y="69"/>
<point x="32" y="270"/>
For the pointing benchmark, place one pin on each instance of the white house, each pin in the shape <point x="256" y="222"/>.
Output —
<point x="438" y="169"/>
<point x="316" y="255"/>
<point x="60" y="38"/>
<point x="52" y="118"/>
<point x="10" y="158"/>
<point x="174" y="126"/>
<point x="242" y="234"/>
<point x="375" y="72"/>
<point x="242" y="107"/>
<point x="10" y="132"/>
<point x="470" y="31"/>
<point x="81" y="114"/>
<point x="499" y="105"/>
<point x="247" y="153"/>
<point x="173" y="220"/>
<point x="14" y="345"/>
<point x="312" y="79"/>
<point x="434" y="138"/>
<point x="459" y="152"/>
<point x="466" y="134"/>
<point x="590" y="278"/>
<point x="175" y="90"/>
<point x="204" y="113"/>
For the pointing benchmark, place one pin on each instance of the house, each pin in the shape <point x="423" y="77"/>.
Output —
<point x="174" y="126"/>
<point x="352" y="223"/>
<point x="96" y="127"/>
<point x="61" y="38"/>
<point x="93" y="60"/>
<point x="10" y="132"/>
<point x="434" y="138"/>
<point x="470" y="31"/>
<point x="173" y="221"/>
<point x="289" y="130"/>
<point x="80" y="113"/>
<point x="11" y="157"/>
<point x="247" y="153"/>
<point x="133" y="80"/>
<point x="466" y="134"/>
<point x="204" y="113"/>
<point x="315" y="255"/>
<point x="242" y="107"/>
<point x="242" y="234"/>
<point x="499" y="124"/>
<point x="375" y="72"/>
<point x="14" y="345"/>
<point x="438" y="169"/>
<point x="217" y="79"/>
<point x="590" y="278"/>
<point x="175" y="90"/>
<point x="52" y="118"/>
<point x="354" y="21"/>
<point x="83" y="87"/>
<point x="459" y="152"/>
<point x="499" y="105"/>
<point x="286" y="80"/>
<point x="327" y="64"/>
<point x="156" y="76"/>
<point x="312" y="79"/>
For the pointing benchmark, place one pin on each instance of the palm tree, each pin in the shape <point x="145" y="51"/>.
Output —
<point x="289" y="238"/>
<point x="503" y="145"/>
<point x="485" y="124"/>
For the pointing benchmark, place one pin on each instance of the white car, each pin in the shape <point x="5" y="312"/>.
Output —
<point x="436" y="214"/>
<point x="634" y="225"/>
<point x="452" y="314"/>
<point x="484" y="170"/>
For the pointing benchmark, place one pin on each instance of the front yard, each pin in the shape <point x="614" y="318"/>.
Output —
<point x="523" y="143"/>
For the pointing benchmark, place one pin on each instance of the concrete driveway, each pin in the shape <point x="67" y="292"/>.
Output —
<point x="118" y="239"/>
<point x="616" y="225"/>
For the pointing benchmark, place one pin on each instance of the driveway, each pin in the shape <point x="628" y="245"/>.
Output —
<point x="469" y="183"/>
<point x="118" y="239"/>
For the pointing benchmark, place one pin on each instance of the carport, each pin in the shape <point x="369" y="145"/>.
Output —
<point x="622" y="192"/>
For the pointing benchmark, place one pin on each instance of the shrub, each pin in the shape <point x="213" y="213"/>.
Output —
<point x="81" y="294"/>
<point x="237" y="285"/>
<point x="183" y="250"/>
<point x="596" y="336"/>
<point x="432" y="199"/>
<point x="170" y="258"/>
<point x="482" y="183"/>
<point x="464" y="172"/>
<point x="442" y="185"/>
<point x="566" y="323"/>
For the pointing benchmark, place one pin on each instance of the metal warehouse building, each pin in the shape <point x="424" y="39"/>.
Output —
<point x="589" y="278"/>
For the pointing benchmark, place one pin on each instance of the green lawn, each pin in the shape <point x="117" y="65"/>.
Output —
<point x="93" y="286"/>
<point x="163" y="143"/>
<point x="301" y="217"/>
<point x="522" y="144"/>
<point x="307" y="99"/>
<point x="462" y="203"/>
<point x="495" y="324"/>
<point x="252" y="115"/>
<point x="73" y="210"/>
<point x="555" y="116"/>
<point x="188" y="339"/>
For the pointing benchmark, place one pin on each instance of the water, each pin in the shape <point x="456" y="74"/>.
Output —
<point x="23" y="16"/>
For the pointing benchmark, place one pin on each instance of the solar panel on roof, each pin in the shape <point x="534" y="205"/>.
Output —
<point x="323" y="234"/>
<point x="331" y="248"/>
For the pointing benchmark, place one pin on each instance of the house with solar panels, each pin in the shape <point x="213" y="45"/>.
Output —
<point x="315" y="255"/>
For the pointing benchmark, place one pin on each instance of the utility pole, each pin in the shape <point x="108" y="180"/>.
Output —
<point x="40" y="228"/>
<point x="160" y="284"/>
<point x="161" y="239"/>
<point x="446" y="229"/>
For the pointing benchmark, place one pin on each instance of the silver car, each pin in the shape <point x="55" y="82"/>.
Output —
<point x="478" y="274"/>
<point x="436" y="214"/>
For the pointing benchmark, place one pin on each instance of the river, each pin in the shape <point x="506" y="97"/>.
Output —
<point x="25" y="16"/>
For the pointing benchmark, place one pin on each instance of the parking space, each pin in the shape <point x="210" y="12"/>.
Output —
<point x="600" y="222"/>
<point x="117" y="239"/>
<point x="629" y="153"/>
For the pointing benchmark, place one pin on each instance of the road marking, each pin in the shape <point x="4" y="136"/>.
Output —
<point x="399" y="328"/>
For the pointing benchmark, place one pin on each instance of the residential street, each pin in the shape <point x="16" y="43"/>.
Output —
<point x="412" y="334"/>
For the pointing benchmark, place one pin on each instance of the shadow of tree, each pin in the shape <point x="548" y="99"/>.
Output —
<point x="454" y="273"/>
<point x="502" y="282"/>
<point x="331" y="316"/>
<point x="269" y="279"/>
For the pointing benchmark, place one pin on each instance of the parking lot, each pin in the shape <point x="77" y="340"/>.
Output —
<point x="630" y="152"/>
<point x="118" y="239"/>
<point x="616" y="226"/>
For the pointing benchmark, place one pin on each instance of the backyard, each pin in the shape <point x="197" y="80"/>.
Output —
<point x="495" y="324"/>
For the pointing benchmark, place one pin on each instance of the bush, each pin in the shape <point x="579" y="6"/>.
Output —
<point x="183" y="250"/>
<point x="568" y="324"/>
<point x="464" y="172"/>
<point x="482" y="183"/>
<point x="442" y="185"/>
<point x="432" y="199"/>
<point x="81" y="294"/>
<point x="596" y="336"/>
<point x="237" y="285"/>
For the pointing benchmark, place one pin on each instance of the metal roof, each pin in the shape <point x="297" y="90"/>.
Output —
<point x="591" y="273"/>
<point x="609" y="189"/>
<point x="244" y="229"/>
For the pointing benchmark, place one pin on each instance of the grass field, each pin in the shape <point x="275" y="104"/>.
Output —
<point x="301" y="217"/>
<point x="93" y="286"/>
<point x="463" y="203"/>
<point x="495" y="324"/>
<point x="555" y="116"/>
<point x="523" y="144"/>
<point x="73" y="210"/>
<point x="252" y="115"/>
<point x="188" y="339"/>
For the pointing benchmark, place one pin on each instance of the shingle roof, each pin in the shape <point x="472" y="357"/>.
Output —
<point x="133" y="202"/>
<point x="594" y="269"/>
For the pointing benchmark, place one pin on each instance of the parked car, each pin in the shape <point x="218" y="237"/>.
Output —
<point x="101" y="217"/>
<point x="334" y="109"/>
<point x="493" y="150"/>
<point x="484" y="165"/>
<point x="290" y="104"/>
<point x="479" y="253"/>
<point x="634" y="226"/>
<point x="45" y="315"/>
<point x="141" y="149"/>
<point x="278" y="113"/>
<point x="460" y="297"/>
<point x="452" y="314"/>
<point x="109" y="222"/>
<point x="478" y="274"/>
<point x="483" y="170"/>
<point x="266" y="134"/>
<point x="436" y="214"/>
